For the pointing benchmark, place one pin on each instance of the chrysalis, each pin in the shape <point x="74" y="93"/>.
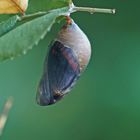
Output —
<point x="13" y="6"/>
<point x="68" y="57"/>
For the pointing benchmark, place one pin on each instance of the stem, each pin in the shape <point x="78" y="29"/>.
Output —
<point x="72" y="10"/>
<point x="31" y="16"/>
<point x="93" y="10"/>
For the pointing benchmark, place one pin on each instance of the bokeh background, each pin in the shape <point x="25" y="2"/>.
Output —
<point x="105" y="103"/>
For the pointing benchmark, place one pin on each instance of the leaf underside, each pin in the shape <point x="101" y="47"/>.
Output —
<point x="24" y="37"/>
<point x="8" y="25"/>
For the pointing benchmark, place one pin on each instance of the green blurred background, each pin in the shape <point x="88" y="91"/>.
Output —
<point x="105" y="103"/>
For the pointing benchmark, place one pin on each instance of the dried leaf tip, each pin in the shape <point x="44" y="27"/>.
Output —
<point x="13" y="6"/>
<point x="5" y="113"/>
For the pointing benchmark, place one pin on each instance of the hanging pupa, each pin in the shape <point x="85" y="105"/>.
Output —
<point x="67" y="58"/>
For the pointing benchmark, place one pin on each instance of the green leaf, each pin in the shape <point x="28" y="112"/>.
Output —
<point x="8" y="25"/>
<point x="24" y="37"/>
<point x="46" y="5"/>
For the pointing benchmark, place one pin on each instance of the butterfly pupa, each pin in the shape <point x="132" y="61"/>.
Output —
<point x="67" y="58"/>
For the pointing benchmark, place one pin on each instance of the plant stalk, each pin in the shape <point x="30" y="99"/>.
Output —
<point x="93" y="10"/>
<point x="31" y="16"/>
<point x="72" y="10"/>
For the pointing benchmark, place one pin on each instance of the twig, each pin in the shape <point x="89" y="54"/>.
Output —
<point x="72" y="9"/>
<point x="5" y="113"/>
<point x="34" y="15"/>
<point x="93" y="10"/>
